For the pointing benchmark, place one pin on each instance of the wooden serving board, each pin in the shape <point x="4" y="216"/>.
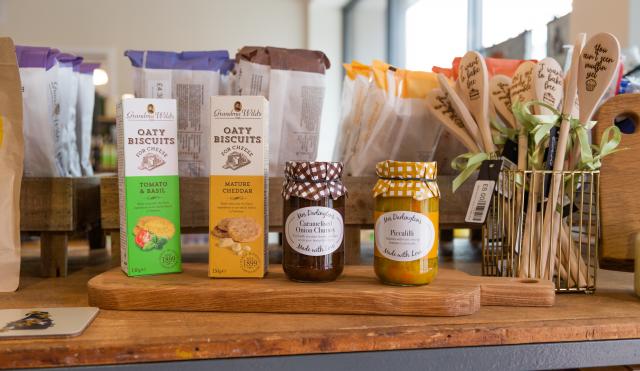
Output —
<point x="357" y="291"/>
<point x="619" y="199"/>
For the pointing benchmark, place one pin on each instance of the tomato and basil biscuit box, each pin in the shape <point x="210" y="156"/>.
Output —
<point x="149" y="186"/>
<point x="238" y="187"/>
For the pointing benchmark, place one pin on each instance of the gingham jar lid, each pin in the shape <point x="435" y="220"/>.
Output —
<point x="313" y="180"/>
<point x="406" y="179"/>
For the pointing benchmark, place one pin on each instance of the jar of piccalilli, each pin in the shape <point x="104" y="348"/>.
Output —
<point x="406" y="222"/>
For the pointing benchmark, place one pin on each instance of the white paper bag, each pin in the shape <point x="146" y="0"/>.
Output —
<point x="84" y="115"/>
<point x="41" y="112"/>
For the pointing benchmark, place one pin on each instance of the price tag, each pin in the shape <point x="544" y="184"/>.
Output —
<point x="480" y="201"/>
<point x="483" y="191"/>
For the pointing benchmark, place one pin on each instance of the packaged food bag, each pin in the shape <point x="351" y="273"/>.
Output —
<point x="354" y="89"/>
<point x="416" y="132"/>
<point x="378" y="113"/>
<point x="228" y="81"/>
<point x="84" y="114"/>
<point x="68" y="90"/>
<point x="191" y="78"/>
<point x="296" y="94"/>
<point x="11" y="160"/>
<point x="253" y="71"/>
<point x="149" y="186"/>
<point x="41" y="111"/>
<point x="495" y="66"/>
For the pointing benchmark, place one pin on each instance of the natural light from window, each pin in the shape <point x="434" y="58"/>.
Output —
<point x="504" y="19"/>
<point x="435" y="36"/>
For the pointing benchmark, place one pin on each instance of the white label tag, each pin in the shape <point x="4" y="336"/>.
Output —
<point x="404" y="235"/>
<point x="314" y="231"/>
<point x="480" y="201"/>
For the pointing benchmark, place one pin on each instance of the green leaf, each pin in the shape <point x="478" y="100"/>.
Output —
<point x="161" y="242"/>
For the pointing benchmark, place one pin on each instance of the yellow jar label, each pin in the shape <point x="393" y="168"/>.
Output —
<point x="404" y="235"/>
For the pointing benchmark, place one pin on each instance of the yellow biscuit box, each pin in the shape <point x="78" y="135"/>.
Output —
<point x="238" y="214"/>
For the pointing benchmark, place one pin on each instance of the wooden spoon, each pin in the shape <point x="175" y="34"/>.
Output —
<point x="499" y="86"/>
<point x="474" y="83"/>
<point x="598" y="66"/>
<point x="548" y="236"/>
<point x="522" y="90"/>
<point x="440" y="106"/>
<point x="461" y="110"/>
<point x="548" y="83"/>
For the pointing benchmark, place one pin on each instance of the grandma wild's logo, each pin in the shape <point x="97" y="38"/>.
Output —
<point x="151" y="109"/>
<point x="237" y="106"/>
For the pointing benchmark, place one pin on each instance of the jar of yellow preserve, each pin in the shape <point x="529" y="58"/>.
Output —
<point x="406" y="222"/>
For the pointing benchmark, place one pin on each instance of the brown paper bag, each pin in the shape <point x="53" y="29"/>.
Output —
<point x="11" y="157"/>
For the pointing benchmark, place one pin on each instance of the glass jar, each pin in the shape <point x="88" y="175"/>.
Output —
<point x="406" y="222"/>
<point x="313" y="241"/>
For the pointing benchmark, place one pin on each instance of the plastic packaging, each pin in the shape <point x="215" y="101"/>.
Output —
<point x="84" y="115"/>
<point x="191" y="78"/>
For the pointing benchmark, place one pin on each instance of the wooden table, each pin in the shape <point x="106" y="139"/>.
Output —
<point x="227" y="339"/>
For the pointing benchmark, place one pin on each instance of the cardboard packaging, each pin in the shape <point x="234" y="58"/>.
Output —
<point x="149" y="186"/>
<point x="238" y="187"/>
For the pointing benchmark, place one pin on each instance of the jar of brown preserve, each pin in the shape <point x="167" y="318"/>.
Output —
<point x="313" y="243"/>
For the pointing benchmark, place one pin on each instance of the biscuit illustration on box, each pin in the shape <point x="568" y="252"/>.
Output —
<point x="232" y="232"/>
<point x="236" y="160"/>
<point x="153" y="232"/>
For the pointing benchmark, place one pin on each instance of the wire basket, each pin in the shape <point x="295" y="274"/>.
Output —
<point x="513" y="244"/>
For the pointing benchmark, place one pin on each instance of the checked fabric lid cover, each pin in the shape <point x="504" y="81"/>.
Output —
<point x="313" y="180"/>
<point x="406" y="179"/>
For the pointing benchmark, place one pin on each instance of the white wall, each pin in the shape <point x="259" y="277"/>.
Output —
<point x="325" y="33"/>
<point x="112" y="26"/>
<point x="593" y="16"/>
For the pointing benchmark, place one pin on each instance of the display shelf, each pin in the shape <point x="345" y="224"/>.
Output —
<point x="56" y="208"/>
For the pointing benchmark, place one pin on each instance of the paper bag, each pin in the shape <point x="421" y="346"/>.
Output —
<point x="11" y="157"/>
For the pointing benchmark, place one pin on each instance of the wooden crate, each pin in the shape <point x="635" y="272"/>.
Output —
<point x="194" y="208"/>
<point x="55" y="208"/>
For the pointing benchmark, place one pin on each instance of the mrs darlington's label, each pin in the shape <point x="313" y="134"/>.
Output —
<point x="404" y="235"/>
<point x="149" y="186"/>
<point x="238" y="187"/>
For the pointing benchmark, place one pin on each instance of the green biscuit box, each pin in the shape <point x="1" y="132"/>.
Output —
<point x="149" y="186"/>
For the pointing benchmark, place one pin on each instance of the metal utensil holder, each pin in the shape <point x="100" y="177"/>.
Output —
<point x="512" y="240"/>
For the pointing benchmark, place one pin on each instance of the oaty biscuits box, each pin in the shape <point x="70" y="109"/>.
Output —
<point x="149" y="186"/>
<point x="238" y="187"/>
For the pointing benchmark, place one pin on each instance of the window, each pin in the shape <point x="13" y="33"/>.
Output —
<point x="435" y="35"/>
<point x="505" y="19"/>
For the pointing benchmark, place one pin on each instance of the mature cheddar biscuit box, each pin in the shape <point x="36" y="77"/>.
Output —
<point x="149" y="186"/>
<point x="238" y="187"/>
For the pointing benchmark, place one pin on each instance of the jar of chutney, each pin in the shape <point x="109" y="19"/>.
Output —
<point x="314" y="199"/>
<point x="406" y="222"/>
